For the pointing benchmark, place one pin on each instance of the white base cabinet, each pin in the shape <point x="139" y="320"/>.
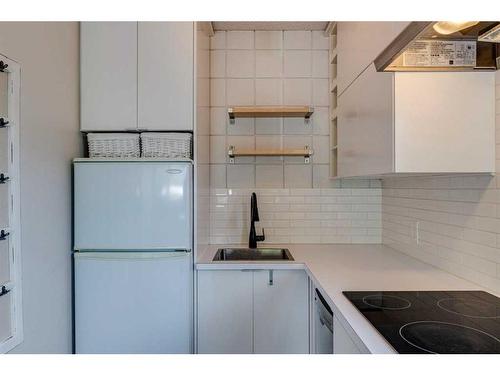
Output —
<point x="253" y="311"/>
<point x="342" y="342"/>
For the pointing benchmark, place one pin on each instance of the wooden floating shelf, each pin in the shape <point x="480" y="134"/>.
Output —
<point x="268" y="111"/>
<point x="306" y="152"/>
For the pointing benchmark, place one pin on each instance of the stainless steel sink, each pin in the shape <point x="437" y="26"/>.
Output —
<point x="263" y="253"/>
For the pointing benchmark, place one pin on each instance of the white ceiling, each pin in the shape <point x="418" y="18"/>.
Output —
<point x="264" y="25"/>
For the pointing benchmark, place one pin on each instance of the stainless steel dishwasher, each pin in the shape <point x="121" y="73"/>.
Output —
<point x="323" y="325"/>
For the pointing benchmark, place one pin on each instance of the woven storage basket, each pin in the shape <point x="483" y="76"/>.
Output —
<point x="166" y="145"/>
<point x="113" y="145"/>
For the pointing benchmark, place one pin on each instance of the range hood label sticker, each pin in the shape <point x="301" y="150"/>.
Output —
<point x="439" y="53"/>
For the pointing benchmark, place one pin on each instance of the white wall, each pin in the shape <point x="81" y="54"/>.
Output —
<point x="458" y="217"/>
<point x="298" y="202"/>
<point x="50" y="138"/>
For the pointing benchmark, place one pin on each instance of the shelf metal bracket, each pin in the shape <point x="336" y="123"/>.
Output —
<point x="230" y="153"/>
<point x="230" y="112"/>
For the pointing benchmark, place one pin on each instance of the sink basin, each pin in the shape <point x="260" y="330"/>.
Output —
<point x="262" y="253"/>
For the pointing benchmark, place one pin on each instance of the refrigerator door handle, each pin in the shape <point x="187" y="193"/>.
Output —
<point x="142" y="255"/>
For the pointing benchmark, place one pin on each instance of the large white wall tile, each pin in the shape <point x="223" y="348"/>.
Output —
<point x="319" y="40"/>
<point x="240" y="92"/>
<point x="297" y="91"/>
<point x="240" y="40"/>
<point x="321" y="123"/>
<point x="297" y="39"/>
<point x="218" y="176"/>
<point x="218" y="41"/>
<point x="268" y="125"/>
<point x="242" y="126"/>
<point x="217" y="149"/>
<point x="321" y="147"/>
<point x="268" y="64"/>
<point x="217" y="64"/>
<point x="269" y="176"/>
<point x="320" y="64"/>
<point x="268" y="39"/>
<point x="298" y="176"/>
<point x="240" y="64"/>
<point x="218" y="120"/>
<point x="268" y="91"/>
<point x="297" y="64"/>
<point x="321" y="94"/>
<point x="217" y="92"/>
<point x="240" y="176"/>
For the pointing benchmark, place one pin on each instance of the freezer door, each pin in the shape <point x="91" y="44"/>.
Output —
<point x="132" y="205"/>
<point x="133" y="302"/>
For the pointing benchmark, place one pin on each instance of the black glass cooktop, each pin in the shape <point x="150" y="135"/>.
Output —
<point x="443" y="322"/>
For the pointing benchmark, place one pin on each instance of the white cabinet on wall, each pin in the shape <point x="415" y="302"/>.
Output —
<point x="137" y="76"/>
<point x="253" y="311"/>
<point x="417" y="122"/>
<point x="358" y="44"/>
<point x="108" y="69"/>
<point x="165" y="75"/>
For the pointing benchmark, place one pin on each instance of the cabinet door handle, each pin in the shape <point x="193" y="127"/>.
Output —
<point x="271" y="279"/>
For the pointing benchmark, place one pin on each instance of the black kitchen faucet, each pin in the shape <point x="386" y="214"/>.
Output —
<point x="254" y="216"/>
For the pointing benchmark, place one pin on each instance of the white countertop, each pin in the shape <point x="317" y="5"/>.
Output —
<point x="335" y="268"/>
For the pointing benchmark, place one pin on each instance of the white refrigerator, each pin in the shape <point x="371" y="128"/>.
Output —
<point x="133" y="262"/>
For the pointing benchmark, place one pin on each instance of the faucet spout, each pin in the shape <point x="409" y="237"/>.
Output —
<point x="254" y="216"/>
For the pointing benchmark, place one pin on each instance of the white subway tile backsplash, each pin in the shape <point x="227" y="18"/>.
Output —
<point x="268" y="40"/>
<point x="240" y="64"/>
<point x="297" y="39"/>
<point x="240" y="40"/>
<point x="297" y="64"/>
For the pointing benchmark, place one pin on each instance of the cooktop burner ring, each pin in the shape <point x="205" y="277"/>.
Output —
<point x="403" y="302"/>
<point x="450" y="310"/>
<point x="475" y="330"/>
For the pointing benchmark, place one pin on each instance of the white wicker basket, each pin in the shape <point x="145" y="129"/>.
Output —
<point x="166" y="145"/>
<point x="113" y="145"/>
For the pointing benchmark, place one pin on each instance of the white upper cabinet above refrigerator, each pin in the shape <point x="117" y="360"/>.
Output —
<point x="108" y="84"/>
<point x="165" y="75"/>
<point x="137" y="76"/>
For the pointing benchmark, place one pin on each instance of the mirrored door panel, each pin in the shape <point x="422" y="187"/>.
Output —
<point x="4" y="262"/>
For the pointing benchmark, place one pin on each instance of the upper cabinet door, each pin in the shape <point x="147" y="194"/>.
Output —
<point x="108" y="75"/>
<point x="165" y="71"/>
<point x="358" y="44"/>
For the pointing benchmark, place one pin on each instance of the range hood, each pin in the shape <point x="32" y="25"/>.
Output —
<point x="443" y="46"/>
